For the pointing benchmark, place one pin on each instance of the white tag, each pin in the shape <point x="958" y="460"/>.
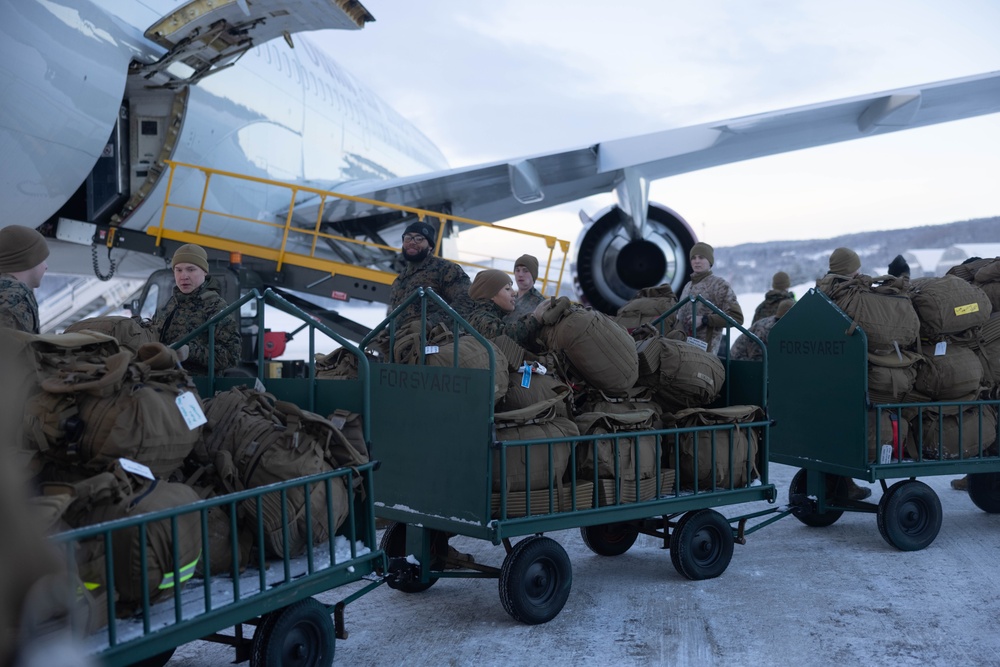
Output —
<point x="940" y="348"/>
<point x="886" y="455"/>
<point x="190" y="409"/>
<point x="431" y="349"/>
<point x="258" y="386"/>
<point x="538" y="368"/>
<point x="136" y="468"/>
<point x="899" y="354"/>
<point x="697" y="342"/>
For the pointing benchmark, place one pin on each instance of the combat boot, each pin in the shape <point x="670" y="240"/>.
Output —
<point x="855" y="492"/>
<point x="961" y="484"/>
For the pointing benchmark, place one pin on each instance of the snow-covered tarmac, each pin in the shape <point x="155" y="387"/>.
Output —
<point x="792" y="595"/>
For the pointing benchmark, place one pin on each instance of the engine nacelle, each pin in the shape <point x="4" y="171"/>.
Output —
<point x="610" y="267"/>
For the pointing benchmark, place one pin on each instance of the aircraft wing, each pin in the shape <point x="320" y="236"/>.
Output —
<point x="499" y="190"/>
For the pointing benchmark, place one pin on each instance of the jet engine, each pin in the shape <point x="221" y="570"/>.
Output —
<point x="612" y="264"/>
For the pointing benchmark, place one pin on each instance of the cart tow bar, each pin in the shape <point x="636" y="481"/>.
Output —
<point x="740" y="538"/>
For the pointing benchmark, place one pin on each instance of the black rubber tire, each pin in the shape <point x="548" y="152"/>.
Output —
<point x="157" y="660"/>
<point x="299" y="635"/>
<point x="702" y="545"/>
<point x="807" y="516"/>
<point x="610" y="539"/>
<point x="535" y="580"/>
<point x="984" y="490"/>
<point x="909" y="515"/>
<point x="393" y="543"/>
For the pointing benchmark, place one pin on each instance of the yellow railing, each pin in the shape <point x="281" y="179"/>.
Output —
<point x="190" y="231"/>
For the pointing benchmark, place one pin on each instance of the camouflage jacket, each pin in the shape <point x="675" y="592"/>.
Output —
<point x="769" y="306"/>
<point x="716" y="290"/>
<point x="446" y="278"/>
<point x="186" y="312"/>
<point x="744" y="348"/>
<point x="18" y="308"/>
<point x="491" y="321"/>
<point x="525" y="304"/>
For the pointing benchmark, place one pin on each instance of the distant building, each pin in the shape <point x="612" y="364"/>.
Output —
<point x="960" y="252"/>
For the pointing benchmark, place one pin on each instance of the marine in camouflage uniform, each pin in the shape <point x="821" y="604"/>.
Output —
<point x="196" y="299"/>
<point x="745" y="348"/>
<point x="526" y="303"/>
<point x="18" y="308"/>
<point x="23" y="252"/>
<point x="491" y="321"/>
<point x="714" y="289"/>
<point x="447" y="279"/>
<point x="778" y="293"/>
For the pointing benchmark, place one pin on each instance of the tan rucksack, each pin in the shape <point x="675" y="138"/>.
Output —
<point x="686" y="376"/>
<point x="881" y="307"/>
<point x="948" y="305"/>
<point x="532" y="423"/>
<point x="955" y="375"/>
<point x="92" y="414"/>
<point x="698" y="446"/>
<point x="647" y="305"/>
<point x="596" y="348"/>
<point x="130" y="333"/>
<point x="632" y="452"/>
<point x="891" y="376"/>
<point x="940" y="428"/>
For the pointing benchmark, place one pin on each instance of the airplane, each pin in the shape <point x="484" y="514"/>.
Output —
<point x="99" y="95"/>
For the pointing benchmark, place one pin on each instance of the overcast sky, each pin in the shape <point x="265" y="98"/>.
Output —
<point x="494" y="80"/>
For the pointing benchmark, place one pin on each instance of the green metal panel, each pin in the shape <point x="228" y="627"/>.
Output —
<point x="431" y="431"/>
<point x="818" y="381"/>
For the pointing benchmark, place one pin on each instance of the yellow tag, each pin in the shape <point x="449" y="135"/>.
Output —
<point x="966" y="309"/>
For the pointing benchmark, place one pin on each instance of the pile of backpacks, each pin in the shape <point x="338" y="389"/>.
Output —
<point x="930" y="340"/>
<point x="114" y="427"/>
<point x="602" y="376"/>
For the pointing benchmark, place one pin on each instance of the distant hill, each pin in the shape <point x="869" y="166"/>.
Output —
<point x="749" y="267"/>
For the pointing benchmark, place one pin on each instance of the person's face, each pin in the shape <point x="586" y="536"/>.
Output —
<point x="522" y="276"/>
<point x="415" y="246"/>
<point x="699" y="264"/>
<point x="505" y="298"/>
<point x="188" y="277"/>
<point x="33" y="276"/>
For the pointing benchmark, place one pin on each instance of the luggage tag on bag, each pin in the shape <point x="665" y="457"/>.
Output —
<point x="431" y="349"/>
<point x="941" y="348"/>
<point x="136" y="468"/>
<point x="526" y="375"/>
<point x="258" y="386"/>
<point x="699" y="343"/>
<point x="886" y="454"/>
<point x="191" y="411"/>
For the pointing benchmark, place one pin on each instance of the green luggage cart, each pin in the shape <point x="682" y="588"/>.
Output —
<point x="434" y="430"/>
<point x="826" y="425"/>
<point x="273" y="596"/>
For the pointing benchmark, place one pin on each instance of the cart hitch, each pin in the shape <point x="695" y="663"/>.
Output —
<point x="402" y="571"/>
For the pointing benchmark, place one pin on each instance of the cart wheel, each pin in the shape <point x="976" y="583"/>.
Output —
<point x="158" y="660"/>
<point x="535" y="580"/>
<point x="984" y="490"/>
<point x="394" y="545"/>
<point x="701" y="545"/>
<point x="804" y="513"/>
<point x="609" y="539"/>
<point x="299" y="635"/>
<point x="909" y="515"/>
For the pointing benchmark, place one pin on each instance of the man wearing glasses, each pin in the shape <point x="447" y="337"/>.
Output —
<point x="423" y="269"/>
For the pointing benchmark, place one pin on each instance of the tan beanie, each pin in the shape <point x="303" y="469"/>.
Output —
<point x="191" y="254"/>
<point x="528" y="262"/>
<point x="705" y="250"/>
<point x="21" y="248"/>
<point x="781" y="281"/>
<point x="487" y="283"/>
<point x="784" y="307"/>
<point x="844" y="262"/>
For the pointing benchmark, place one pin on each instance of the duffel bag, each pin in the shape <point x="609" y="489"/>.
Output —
<point x="988" y="348"/>
<point x="472" y="354"/>
<point x="881" y="308"/>
<point x="948" y="305"/>
<point x="540" y="388"/>
<point x="636" y="455"/>
<point x="647" y="305"/>
<point x="891" y="376"/>
<point x="688" y="376"/>
<point x="692" y="451"/>
<point x="130" y="333"/>
<point x="893" y="431"/>
<point x="941" y="432"/>
<point x="953" y="376"/>
<point x="597" y="349"/>
<point x="534" y="422"/>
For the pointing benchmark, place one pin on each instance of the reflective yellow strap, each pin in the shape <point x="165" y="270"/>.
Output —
<point x="187" y="571"/>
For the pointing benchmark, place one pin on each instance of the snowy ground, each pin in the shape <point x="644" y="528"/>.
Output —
<point x="792" y="595"/>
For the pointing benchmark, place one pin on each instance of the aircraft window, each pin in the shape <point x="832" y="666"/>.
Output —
<point x="149" y="128"/>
